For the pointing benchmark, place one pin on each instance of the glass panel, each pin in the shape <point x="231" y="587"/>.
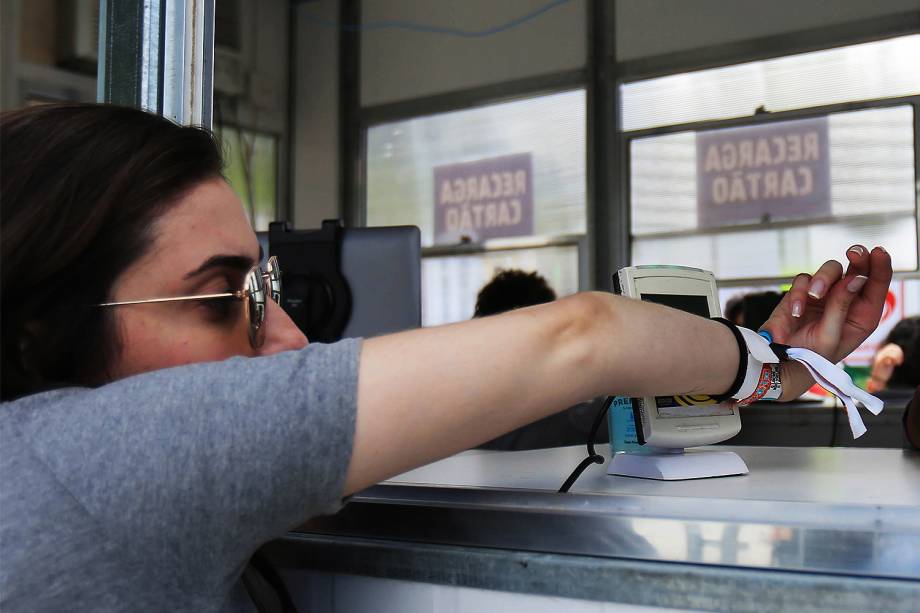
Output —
<point x="402" y="158"/>
<point x="781" y="252"/>
<point x="251" y="160"/>
<point x="871" y="191"/>
<point x="450" y="283"/>
<point x="868" y="71"/>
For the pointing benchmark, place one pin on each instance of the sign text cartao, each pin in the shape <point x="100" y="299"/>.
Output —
<point x="780" y="170"/>
<point x="488" y="198"/>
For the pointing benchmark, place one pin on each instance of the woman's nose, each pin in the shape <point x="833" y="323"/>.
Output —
<point x="281" y="333"/>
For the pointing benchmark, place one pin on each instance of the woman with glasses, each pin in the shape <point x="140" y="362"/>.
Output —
<point x="163" y="417"/>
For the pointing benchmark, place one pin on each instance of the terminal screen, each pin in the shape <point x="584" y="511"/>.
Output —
<point x="677" y="406"/>
<point x="698" y="305"/>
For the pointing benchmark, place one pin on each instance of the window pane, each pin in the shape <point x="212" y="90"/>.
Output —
<point x="450" y="284"/>
<point x="251" y="160"/>
<point x="402" y="158"/>
<point x="881" y="69"/>
<point x="780" y="253"/>
<point x="872" y="200"/>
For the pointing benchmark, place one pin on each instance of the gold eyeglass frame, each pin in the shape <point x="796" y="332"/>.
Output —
<point x="253" y="295"/>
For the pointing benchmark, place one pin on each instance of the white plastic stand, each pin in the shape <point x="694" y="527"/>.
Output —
<point x="676" y="464"/>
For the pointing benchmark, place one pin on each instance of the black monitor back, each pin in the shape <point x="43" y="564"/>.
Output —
<point x="381" y="268"/>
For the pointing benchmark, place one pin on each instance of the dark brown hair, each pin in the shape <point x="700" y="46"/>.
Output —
<point x="82" y="185"/>
<point x="512" y="289"/>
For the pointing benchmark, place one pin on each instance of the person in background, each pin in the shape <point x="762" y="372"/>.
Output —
<point x="734" y="310"/>
<point x="912" y="421"/>
<point x="513" y="289"/>
<point x="756" y="308"/>
<point x="896" y="368"/>
<point x="897" y="362"/>
<point x="752" y="310"/>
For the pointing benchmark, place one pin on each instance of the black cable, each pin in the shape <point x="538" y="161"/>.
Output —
<point x="593" y="456"/>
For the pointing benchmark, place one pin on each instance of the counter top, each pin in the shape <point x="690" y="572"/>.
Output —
<point x="817" y="509"/>
<point x="832" y="518"/>
<point x="816" y="476"/>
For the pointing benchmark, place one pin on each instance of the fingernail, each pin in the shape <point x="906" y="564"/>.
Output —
<point x="796" y="308"/>
<point x="883" y="250"/>
<point x="816" y="289"/>
<point x="858" y="250"/>
<point x="857" y="283"/>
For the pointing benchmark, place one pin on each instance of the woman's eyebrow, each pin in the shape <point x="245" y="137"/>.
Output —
<point x="236" y="262"/>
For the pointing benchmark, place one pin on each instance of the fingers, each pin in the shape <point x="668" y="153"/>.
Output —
<point x="829" y="273"/>
<point x="798" y="294"/>
<point x="839" y="299"/>
<point x="786" y="317"/>
<point x="858" y="257"/>
<point x="879" y="274"/>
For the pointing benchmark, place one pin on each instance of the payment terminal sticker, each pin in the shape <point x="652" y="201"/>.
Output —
<point x="680" y="406"/>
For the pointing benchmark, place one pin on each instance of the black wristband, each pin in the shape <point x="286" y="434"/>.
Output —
<point x="780" y="350"/>
<point x="742" y="363"/>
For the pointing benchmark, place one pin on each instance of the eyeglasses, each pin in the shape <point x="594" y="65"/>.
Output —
<point x="257" y="285"/>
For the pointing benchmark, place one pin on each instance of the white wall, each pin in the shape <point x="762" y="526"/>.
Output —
<point x="316" y="117"/>
<point x="648" y="28"/>
<point x="400" y="64"/>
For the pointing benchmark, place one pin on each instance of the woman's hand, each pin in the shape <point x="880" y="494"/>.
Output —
<point x="830" y="312"/>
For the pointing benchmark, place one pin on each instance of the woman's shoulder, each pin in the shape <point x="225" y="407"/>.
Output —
<point x="41" y="399"/>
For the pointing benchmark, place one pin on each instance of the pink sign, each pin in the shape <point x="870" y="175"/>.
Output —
<point x="753" y="174"/>
<point x="488" y="198"/>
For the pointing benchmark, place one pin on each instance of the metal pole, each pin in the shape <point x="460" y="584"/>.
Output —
<point x="351" y="132"/>
<point x="608" y="215"/>
<point x="120" y="49"/>
<point x="158" y="55"/>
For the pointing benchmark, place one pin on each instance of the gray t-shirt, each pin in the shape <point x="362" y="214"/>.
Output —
<point x="151" y="493"/>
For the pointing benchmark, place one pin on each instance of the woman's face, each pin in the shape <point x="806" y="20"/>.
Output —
<point x="202" y="245"/>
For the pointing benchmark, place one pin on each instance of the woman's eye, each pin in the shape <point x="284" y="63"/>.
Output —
<point x="220" y="309"/>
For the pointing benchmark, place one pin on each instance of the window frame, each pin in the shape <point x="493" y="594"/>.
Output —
<point x="766" y="118"/>
<point x="607" y="243"/>
<point x="240" y="127"/>
<point x="773" y="47"/>
<point x="469" y="99"/>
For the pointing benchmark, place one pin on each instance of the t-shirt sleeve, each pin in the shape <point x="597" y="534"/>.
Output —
<point x="199" y="465"/>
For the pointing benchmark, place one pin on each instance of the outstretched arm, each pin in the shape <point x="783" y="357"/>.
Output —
<point x="428" y="393"/>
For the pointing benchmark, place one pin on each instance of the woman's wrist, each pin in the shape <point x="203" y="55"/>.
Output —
<point x="795" y="378"/>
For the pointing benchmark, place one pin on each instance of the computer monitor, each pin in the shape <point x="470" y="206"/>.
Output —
<point x="381" y="267"/>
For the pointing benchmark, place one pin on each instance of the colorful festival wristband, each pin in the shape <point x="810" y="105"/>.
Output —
<point x="769" y="386"/>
